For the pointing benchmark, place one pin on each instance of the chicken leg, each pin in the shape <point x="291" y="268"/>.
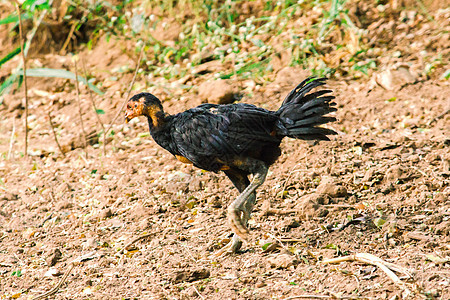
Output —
<point x="239" y="210"/>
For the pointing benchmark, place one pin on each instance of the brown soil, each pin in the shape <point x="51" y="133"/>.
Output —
<point x="389" y="165"/>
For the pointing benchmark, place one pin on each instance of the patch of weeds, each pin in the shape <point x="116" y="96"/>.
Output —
<point x="85" y="20"/>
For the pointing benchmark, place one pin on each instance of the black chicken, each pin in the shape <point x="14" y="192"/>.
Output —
<point x="239" y="139"/>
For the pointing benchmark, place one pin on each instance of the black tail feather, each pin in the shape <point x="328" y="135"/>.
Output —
<point x="297" y="94"/>
<point x="302" y="113"/>
<point x="298" y="132"/>
<point x="314" y="120"/>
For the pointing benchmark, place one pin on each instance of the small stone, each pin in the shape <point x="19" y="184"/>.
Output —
<point x="63" y="205"/>
<point x="394" y="173"/>
<point x="90" y="243"/>
<point x="191" y="275"/>
<point x="145" y="224"/>
<point x="188" y="293"/>
<point x="139" y="211"/>
<point x="53" y="258"/>
<point x="282" y="261"/>
<point x="434" y="219"/>
<point x="53" y="272"/>
<point x="195" y="184"/>
<point x="176" y="186"/>
<point x="388" y="188"/>
<point x="293" y="224"/>
<point x="443" y="228"/>
<point x="215" y="202"/>
<point x="309" y="205"/>
<point x="217" y="92"/>
<point x="290" y="75"/>
<point x="106" y="213"/>
<point x="368" y="175"/>
<point x="331" y="189"/>
<point x="395" y="78"/>
<point x="9" y="196"/>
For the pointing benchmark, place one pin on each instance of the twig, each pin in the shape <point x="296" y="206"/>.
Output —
<point x="74" y="263"/>
<point x="11" y="140"/>
<point x="439" y="117"/>
<point x="128" y="93"/>
<point x="24" y="76"/>
<point x="266" y="210"/>
<point x="189" y="252"/>
<point x="200" y="295"/>
<point x="420" y="171"/>
<point x="289" y="240"/>
<point x="54" y="134"/>
<point x="79" y="106"/>
<point x="339" y="206"/>
<point x="95" y="107"/>
<point x="306" y="296"/>
<point x="374" y="260"/>
<point x="279" y="241"/>
<point x="294" y="170"/>
<point x="136" y="240"/>
<point x="72" y="29"/>
<point x="31" y="35"/>
<point x="56" y="288"/>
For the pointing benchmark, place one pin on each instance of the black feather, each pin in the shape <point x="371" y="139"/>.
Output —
<point x="301" y="113"/>
<point x="311" y="130"/>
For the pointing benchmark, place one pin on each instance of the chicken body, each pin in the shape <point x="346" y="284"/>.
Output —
<point x="238" y="139"/>
<point x="216" y="137"/>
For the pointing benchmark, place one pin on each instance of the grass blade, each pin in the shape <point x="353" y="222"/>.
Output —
<point x="60" y="73"/>
<point x="5" y="87"/>
<point x="14" y="18"/>
<point x="9" y="56"/>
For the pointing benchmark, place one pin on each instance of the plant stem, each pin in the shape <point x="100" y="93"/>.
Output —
<point x="80" y="113"/>
<point x="95" y="108"/>
<point x="24" y="77"/>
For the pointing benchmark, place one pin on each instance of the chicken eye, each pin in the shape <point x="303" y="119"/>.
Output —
<point x="135" y="105"/>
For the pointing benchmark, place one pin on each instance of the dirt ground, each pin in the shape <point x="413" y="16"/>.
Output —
<point x="381" y="187"/>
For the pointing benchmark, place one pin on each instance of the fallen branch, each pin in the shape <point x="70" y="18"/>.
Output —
<point x="373" y="260"/>
<point x="74" y="263"/>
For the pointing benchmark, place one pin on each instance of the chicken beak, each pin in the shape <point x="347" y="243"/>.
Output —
<point x="129" y="115"/>
<point x="127" y="118"/>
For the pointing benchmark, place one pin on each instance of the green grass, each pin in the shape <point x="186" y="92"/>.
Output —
<point x="247" y="48"/>
<point x="101" y="15"/>
<point x="318" y="35"/>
